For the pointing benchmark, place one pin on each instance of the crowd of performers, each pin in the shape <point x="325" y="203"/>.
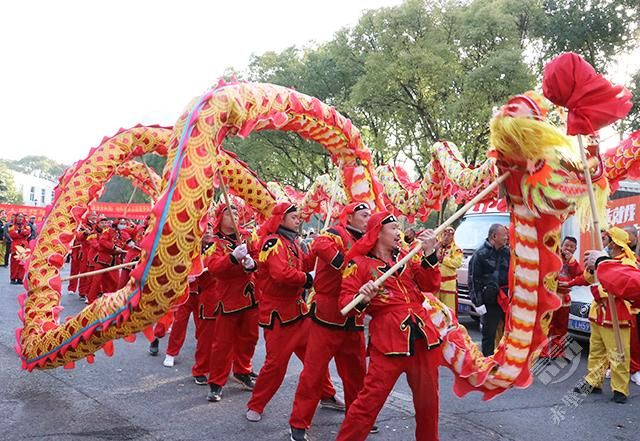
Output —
<point x="294" y="290"/>
<point x="100" y="244"/>
<point x="16" y="232"/>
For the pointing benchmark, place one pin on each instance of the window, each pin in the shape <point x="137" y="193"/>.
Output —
<point x="32" y="194"/>
<point x="42" y="193"/>
<point x="52" y="195"/>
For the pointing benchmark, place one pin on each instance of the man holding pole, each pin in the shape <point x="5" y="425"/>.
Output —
<point x="236" y="310"/>
<point x="284" y="273"/>
<point x="402" y="337"/>
<point x="107" y="250"/>
<point x="331" y="334"/>
<point x="602" y="345"/>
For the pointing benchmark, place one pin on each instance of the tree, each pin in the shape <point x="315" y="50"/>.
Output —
<point x="632" y="121"/>
<point x="40" y="166"/>
<point x="599" y="30"/>
<point x="8" y="192"/>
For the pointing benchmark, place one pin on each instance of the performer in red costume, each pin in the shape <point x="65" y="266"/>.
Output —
<point x="19" y="232"/>
<point x="402" y="337"/>
<point x="199" y="286"/>
<point x="87" y="240"/>
<point x="281" y="281"/>
<point x="136" y="233"/>
<point x="331" y="335"/>
<point x="236" y="332"/>
<point x="559" y="326"/>
<point x="107" y="250"/>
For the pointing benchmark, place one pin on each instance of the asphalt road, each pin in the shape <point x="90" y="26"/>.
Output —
<point x="131" y="396"/>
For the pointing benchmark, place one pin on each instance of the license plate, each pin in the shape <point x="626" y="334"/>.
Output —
<point x="579" y="325"/>
<point x="462" y="307"/>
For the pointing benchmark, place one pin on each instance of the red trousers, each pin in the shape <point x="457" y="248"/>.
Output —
<point x="558" y="330"/>
<point x="635" y="345"/>
<point x="84" y="283"/>
<point x="281" y="342"/>
<point x="233" y="345"/>
<point x="102" y="283"/>
<point x="421" y="370"/>
<point x="16" y="268"/>
<point x="205" y="330"/>
<point x="325" y="343"/>
<point x="75" y="269"/>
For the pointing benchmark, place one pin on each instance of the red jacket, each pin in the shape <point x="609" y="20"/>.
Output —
<point x="623" y="281"/>
<point x="19" y="235"/>
<point x="135" y="237"/>
<point x="281" y="280"/>
<point x="330" y="248"/>
<point x="88" y="239"/>
<point x="207" y="288"/>
<point x="105" y="248"/>
<point x="236" y="288"/>
<point x="568" y="273"/>
<point x="399" y="302"/>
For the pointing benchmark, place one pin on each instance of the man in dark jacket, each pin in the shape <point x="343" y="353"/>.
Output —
<point x="488" y="275"/>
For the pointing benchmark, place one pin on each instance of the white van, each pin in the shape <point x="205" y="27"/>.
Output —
<point x="471" y="234"/>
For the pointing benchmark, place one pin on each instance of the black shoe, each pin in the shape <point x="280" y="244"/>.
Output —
<point x="200" y="380"/>
<point x="153" y="347"/>
<point x="298" y="435"/>
<point x="245" y="380"/>
<point x="253" y="375"/>
<point x="619" y="397"/>
<point x="586" y="388"/>
<point x="374" y="429"/>
<point x="215" y="393"/>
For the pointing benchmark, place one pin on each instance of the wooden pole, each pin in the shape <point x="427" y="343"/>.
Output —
<point x="126" y="209"/>
<point x="598" y="243"/>
<point x="100" y="271"/>
<point x="378" y="282"/>
<point x="157" y="190"/>
<point x="226" y="200"/>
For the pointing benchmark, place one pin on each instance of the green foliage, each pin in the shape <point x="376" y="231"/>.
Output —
<point x="632" y="122"/>
<point x="8" y="192"/>
<point x="40" y="166"/>
<point x="120" y="189"/>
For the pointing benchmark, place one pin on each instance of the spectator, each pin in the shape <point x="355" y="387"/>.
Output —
<point x="488" y="276"/>
<point x="409" y="236"/>
<point x="32" y="224"/>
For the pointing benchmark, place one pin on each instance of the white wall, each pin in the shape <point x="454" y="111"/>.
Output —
<point x="35" y="191"/>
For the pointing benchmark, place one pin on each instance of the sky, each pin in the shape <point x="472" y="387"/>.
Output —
<point x="75" y="71"/>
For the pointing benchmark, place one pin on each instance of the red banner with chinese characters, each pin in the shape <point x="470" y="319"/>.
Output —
<point x="621" y="213"/>
<point x="109" y="209"/>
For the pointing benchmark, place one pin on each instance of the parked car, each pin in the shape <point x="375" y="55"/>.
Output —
<point x="581" y="299"/>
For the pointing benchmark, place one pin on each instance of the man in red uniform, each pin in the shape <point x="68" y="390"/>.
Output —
<point x="236" y="312"/>
<point x="281" y="281"/>
<point x="107" y="250"/>
<point x="402" y="337"/>
<point x="87" y="237"/>
<point x="200" y="286"/>
<point x="331" y="335"/>
<point x="136" y="233"/>
<point x="19" y="232"/>
<point x="559" y="326"/>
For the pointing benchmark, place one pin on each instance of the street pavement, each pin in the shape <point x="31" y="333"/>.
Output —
<point x="131" y="396"/>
